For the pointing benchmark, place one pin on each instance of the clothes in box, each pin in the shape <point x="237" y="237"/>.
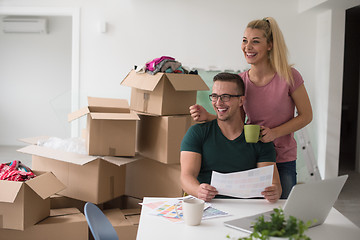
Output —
<point x="163" y="93"/>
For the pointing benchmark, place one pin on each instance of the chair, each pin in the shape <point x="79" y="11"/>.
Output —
<point x="98" y="223"/>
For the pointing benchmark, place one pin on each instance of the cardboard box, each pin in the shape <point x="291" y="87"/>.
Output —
<point x="87" y="178"/>
<point x="150" y="178"/>
<point x="123" y="202"/>
<point x="22" y="204"/>
<point x="62" y="224"/>
<point x="163" y="93"/>
<point x="125" y="222"/>
<point x="159" y="137"/>
<point x="110" y="128"/>
<point x="58" y="202"/>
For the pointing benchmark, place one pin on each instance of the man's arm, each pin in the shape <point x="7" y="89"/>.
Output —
<point x="273" y="192"/>
<point x="190" y="168"/>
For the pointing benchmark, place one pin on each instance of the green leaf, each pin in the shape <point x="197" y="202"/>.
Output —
<point x="278" y="226"/>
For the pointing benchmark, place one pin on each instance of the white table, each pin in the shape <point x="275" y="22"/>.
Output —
<point x="153" y="227"/>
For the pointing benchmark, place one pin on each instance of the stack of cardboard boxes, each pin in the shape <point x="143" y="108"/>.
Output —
<point x="162" y="102"/>
<point x="130" y="155"/>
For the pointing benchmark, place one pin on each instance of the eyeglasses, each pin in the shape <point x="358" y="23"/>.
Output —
<point x="223" y="97"/>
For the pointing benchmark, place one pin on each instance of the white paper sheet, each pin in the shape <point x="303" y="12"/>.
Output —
<point x="245" y="184"/>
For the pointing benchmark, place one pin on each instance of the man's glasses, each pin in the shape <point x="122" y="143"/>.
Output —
<point x="223" y="97"/>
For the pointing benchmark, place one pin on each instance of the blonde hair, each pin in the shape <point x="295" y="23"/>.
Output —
<point x="278" y="53"/>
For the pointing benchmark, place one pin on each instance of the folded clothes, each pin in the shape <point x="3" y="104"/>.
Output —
<point x="151" y="65"/>
<point x="15" y="171"/>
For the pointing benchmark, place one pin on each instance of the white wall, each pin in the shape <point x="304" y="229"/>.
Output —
<point x="203" y="34"/>
<point x="35" y="71"/>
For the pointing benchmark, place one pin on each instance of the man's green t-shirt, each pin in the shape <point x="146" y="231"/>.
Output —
<point x="221" y="154"/>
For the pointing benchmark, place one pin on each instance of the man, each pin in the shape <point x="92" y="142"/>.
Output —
<point x="220" y="145"/>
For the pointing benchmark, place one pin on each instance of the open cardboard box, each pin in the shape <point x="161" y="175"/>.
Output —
<point x="59" y="201"/>
<point x="163" y="93"/>
<point x="125" y="222"/>
<point x="122" y="202"/>
<point x="159" y="137"/>
<point x="62" y="224"/>
<point x="22" y="204"/>
<point x="110" y="128"/>
<point x="87" y="178"/>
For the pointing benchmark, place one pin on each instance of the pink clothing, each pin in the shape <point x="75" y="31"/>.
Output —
<point x="271" y="105"/>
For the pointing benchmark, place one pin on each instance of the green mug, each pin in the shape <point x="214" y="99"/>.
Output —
<point x="252" y="133"/>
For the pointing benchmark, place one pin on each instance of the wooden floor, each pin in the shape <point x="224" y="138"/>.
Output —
<point x="348" y="202"/>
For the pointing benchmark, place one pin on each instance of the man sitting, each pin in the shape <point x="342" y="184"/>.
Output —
<point x="220" y="145"/>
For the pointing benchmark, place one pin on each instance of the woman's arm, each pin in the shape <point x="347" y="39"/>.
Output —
<point x="199" y="114"/>
<point x="304" y="117"/>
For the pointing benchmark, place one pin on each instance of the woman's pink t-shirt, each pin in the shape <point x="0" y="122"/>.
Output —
<point x="270" y="106"/>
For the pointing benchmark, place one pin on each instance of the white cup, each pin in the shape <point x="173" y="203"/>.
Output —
<point x="193" y="209"/>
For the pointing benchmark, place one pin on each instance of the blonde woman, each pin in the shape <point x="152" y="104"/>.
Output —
<point x="272" y="89"/>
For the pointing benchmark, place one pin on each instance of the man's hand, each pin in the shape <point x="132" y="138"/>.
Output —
<point x="272" y="193"/>
<point x="206" y="192"/>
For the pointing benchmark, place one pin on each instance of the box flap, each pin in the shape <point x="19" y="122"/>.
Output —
<point x="131" y="211"/>
<point x="108" y="102"/>
<point x="142" y="81"/>
<point x="63" y="211"/>
<point x="187" y="82"/>
<point x="134" y="219"/>
<point x="108" y="105"/>
<point x="34" y="140"/>
<point x="9" y="190"/>
<point x="77" y="114"/>
<point x="76" y="158"/>
<point x="119" y="161"/>
<point x="180" y="82"/>
<point x="115" y="116"/>
<point x="45" y="185"/>
<point x="116" y="217"/>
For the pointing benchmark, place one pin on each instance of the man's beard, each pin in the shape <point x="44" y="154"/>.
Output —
<point x="224" y="118"/>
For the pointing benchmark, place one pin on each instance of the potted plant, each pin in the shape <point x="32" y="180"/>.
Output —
<point x="278" y="227"/>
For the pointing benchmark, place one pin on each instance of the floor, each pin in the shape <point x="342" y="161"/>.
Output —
<point x="348" y="202"/>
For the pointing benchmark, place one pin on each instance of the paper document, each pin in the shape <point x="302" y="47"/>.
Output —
<point x="245" y="184"/>
<point x="172" y="210"/>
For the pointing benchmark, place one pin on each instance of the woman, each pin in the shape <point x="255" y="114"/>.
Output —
<point x="273" y="89"/>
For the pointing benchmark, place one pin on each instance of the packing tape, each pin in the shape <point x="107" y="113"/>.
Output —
<point x="112" y="151"/>
<point x="112" y="186"/>
<point x="146" y="101"/>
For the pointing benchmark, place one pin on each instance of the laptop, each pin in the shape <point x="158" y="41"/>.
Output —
<point x="306" y="202"/>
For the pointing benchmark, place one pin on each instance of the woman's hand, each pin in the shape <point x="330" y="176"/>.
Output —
<point x="267" y="134"/>
<point x="198" y="113"/>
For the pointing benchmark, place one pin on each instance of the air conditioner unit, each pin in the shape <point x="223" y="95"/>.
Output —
<point x="24" y="25"/>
